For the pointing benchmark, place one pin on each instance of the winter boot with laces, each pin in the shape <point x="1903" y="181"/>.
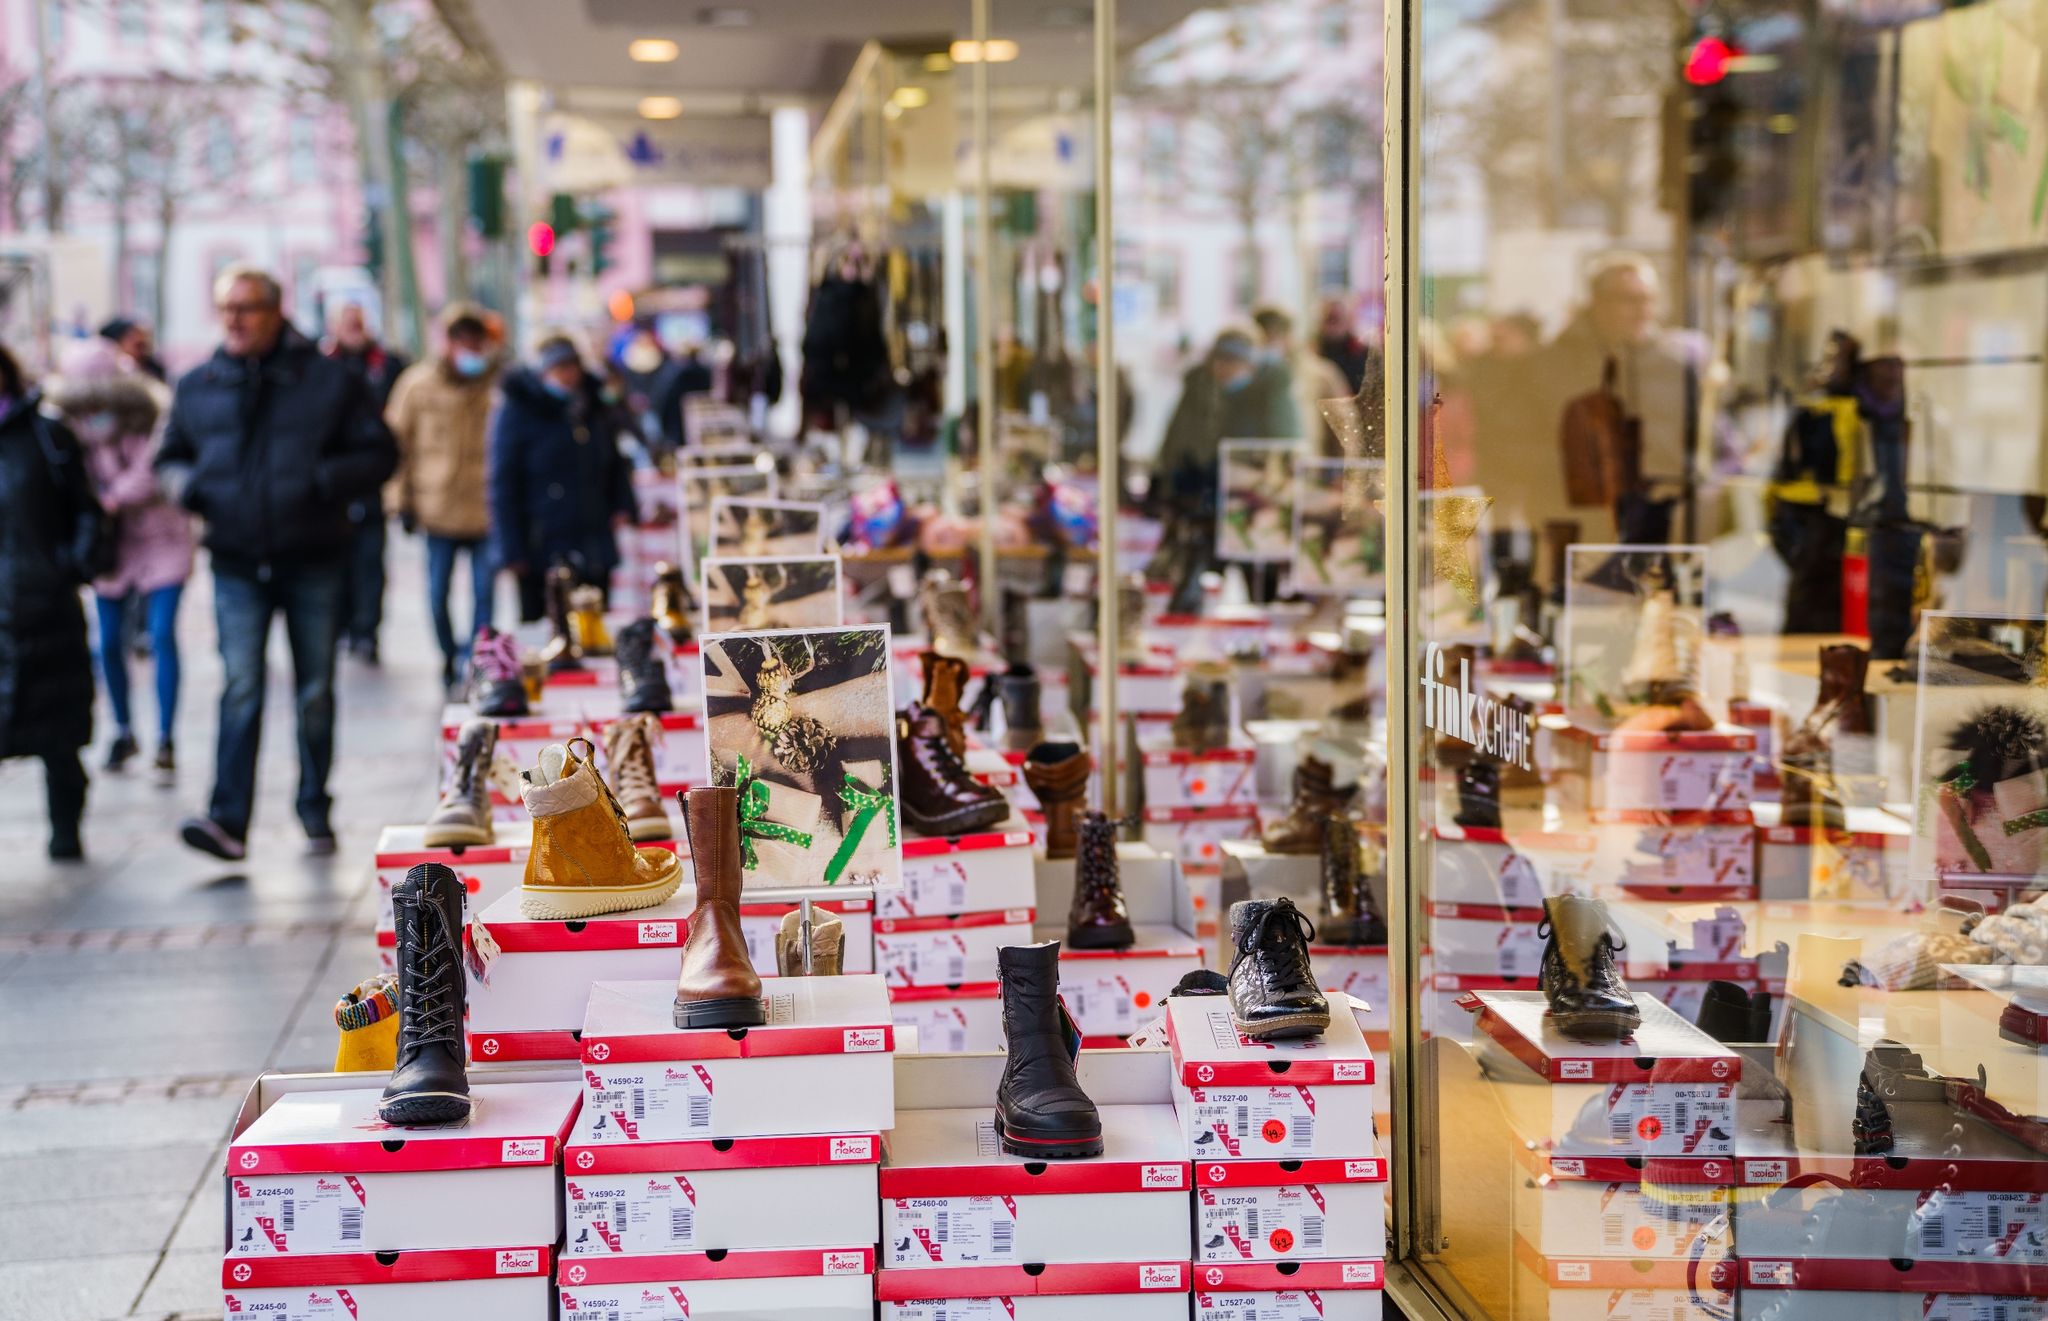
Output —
<point x="1098" y="918"/>
<point x="1041" y="1111"/>
<point x="1273" y="993"/>
<point x="945" y="690"/>
<point x="1317" y="795"/>
<point x="629" y="756"/>
<point x="462" y="818"/>
<point x="583" y="861"/>
<point x="1588" y="999"/>
<point x="643" y="681"/>
<point x="718" y="986"/>
<point x="939" y="797"/>
<point x="1348" y="916"/>
<point x="428" y="1086"/>
<point x="496" y="686"/>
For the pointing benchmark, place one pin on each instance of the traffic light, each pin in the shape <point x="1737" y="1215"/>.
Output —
<point x="487" y="195"/>
<point x="562" y="213"/>
<point x="597" y="220"/>
<point x="540" y="239"/>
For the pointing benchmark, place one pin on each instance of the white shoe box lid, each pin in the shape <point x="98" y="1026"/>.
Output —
<point x="987" y="872"/>
<point x="740" y="1264"/>
<point x="947" y="951"/>
<point x="733" y="1209"/>
<point x="664" y="926"/>
<point x="338" y="1132"/>
<point x="525" y="1296"/>
<point x="955" y="1153"/>
<point x="1209" y="1051"/>
<point x="1664" y="1049"/>
<point x="1268" y="1276"/>
<point x="1891" y="1275"/>
<point x="1625" y="1273"/>
<point x="629" y="1022"/>
<point x="384" y="1268"/>
<point x="586" y="1153"/>
<point x="816" y="1286"/>
<point x="1052" y="1280"/>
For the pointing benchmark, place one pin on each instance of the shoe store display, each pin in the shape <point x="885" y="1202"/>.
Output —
<point x="629" y="755"/>
<point x="1348" y="914"/>
<point x="1834" y="740"/>
<point x="1579" y="976"/>
<point x="367" y="1019"/>
<point x="586" y="621"/>
<point x="945" y="695"/>
<point x="1661" y="669"/>
<point x="560" y="655"/>
<point x="1203" y="722"/>
<point x="718" y="986"/>
<point x="1058" y="774"/>
<point x="429" y="1085"/>
<point x="937" y="795"/>
<point x="822" y="933"/>
<point x="669" y="603"/>
<point x="643" y="679"/>
<point x="1273" y="991"/>
<point x="1317" y="795"/>
<point x="1098" y="917"/>
<point x="583" y="861"/>
<point x="1041" y="1111"/>
<point x="497" y="685"/>
<point x="462" y="819"/>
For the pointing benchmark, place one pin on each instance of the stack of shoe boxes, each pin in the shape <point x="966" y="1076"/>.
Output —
<point x="1628" y="1152"/>
<point x="974" y="887"/>
<point x="1196" y="799"/>
<point x="1865" y="860"/>
<point x="331" y="1212"/>
<point x="1290" y="1182"/>
<point x="970" y="1231"/>
<point x="728" y="1173"/>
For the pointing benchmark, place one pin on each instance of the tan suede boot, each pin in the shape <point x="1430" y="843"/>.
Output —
<point x="583" y="861"/>
<point x="945" y="687"/>
<point x="629" y="755"/>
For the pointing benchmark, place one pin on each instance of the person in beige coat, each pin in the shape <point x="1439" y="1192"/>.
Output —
<point x="440" y="412"/>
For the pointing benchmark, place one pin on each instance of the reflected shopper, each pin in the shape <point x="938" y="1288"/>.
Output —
<point x="270" y="443"/>
<point x="378" y="368"/>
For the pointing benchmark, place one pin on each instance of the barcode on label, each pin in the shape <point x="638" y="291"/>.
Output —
<point x="1001" y="1235"/>
<point x="680" y="1228"/>
<point x="1930" y="1234"/>
<point x="639" y="1103"/>
<point x="1251" y="1221"/>
<point x="351" y="1224"/>
<point x="1678" y="1120"/>
<point x="1244" y="1118"/>
<point x="700" y="1112"/>
<point x="940" y="1231"/>
<point x="1312" y="1234"/>
<point x="289" y="1220"/>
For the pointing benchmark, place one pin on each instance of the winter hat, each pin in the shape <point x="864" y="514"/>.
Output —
<point x="94" y="376"/>
<point x="555" y="352"/>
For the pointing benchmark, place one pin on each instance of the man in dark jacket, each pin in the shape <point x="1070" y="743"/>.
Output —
<point x="270" y="443"/>
<point x="560" y="489"/>
<point x="379" y="368"/>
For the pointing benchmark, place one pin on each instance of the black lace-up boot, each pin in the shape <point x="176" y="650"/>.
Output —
<point x="1098" y="918"/>
<point x="1273" y="994"/>
<point x="1588" y="999"/>
<point x="1041" y="1110"/>
<point x="1891" y="1072"/>
<point x="643" y="683"/>
<point x="1348" y="916"/>
<point x="428" y="1086"/>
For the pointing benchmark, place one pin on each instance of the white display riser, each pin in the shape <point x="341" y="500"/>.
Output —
<point x="1569" y="1218"/>
<point x="1113" y="993"/>
<point x="1841" y="1305"/>
<point x="514" y="1298"/>
<point x="1196" y="835"/>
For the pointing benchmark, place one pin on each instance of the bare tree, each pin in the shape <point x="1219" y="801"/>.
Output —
<point x="17" y="110"/>
<point x="453" y="108"/>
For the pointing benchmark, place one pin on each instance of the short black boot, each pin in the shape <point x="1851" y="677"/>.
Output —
<point x="1273" y="993"/>
<point x="1725" y="1014"/>
<point x="643" y="681"/>
<point x="1019" y="691"/>
<point x="1041" y="1110"/>
<point x="1348" y="916"/>
<point x="1588" y="999"/>
<point x="1479" y="795"/>
<point x="428" y="1086"/>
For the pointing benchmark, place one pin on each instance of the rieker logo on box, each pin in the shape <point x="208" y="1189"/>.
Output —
<point x="844" y="1263"/>
<point x="863" y="1040"/>
<point x="1159" y="1277"/>
<point x="852" y="1148"/>
<point x="523" y="1150"/>
<point x="1164" y="1176"/>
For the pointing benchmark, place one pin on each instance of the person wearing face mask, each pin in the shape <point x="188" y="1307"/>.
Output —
<point x="559" y="487"/>
<point x="439" y="411"/>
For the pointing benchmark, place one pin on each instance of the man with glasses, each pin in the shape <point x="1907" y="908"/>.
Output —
<point x="270" y="443"/>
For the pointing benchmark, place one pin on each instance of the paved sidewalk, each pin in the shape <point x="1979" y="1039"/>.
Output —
<point x="148" y="987"/>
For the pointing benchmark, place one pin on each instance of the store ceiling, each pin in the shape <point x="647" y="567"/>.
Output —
<point x="773" y="49"/>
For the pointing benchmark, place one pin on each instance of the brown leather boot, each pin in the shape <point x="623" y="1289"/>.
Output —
<point x="1203" y="722"/>
<point x="1810" y="761"/>
<point x="1098" y="918"/>
<point x="938" y="796"/>
<point x="945" y="686"/>
<point x="1316" y="795"/>
<point x="1058" y="774"/>
<point x="718" y="986"/>
<point x="560" y="652"/>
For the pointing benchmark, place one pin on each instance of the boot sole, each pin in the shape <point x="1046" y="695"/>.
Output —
<point x="1101" y="938"/>
<point x="1290" y="1028"/>
<point x="645" y="828"/>
<point x="421" y="1109"/>
<point x="957" y="823"/>
<point x="1595" y="1025"/>
<point x="738" y="1011"/>
<point x="566" y="902"/>
<point x="457" y="837"/>
<point x="1062" y="1148"/>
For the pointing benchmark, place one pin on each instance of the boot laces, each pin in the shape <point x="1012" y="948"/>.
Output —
<point x="428" y="1012"/>
<point x="1096" y="849"/>
<point x="1281" y="935"/>
<point x="632" y="760"/>
<point x="497" y="657"/>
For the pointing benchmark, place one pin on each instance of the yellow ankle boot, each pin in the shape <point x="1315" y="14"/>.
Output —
<point x="368" y="1019"/>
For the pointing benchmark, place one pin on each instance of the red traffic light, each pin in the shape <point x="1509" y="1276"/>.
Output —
<point x="1708" y="60"/>
<point x="540" y="236"/>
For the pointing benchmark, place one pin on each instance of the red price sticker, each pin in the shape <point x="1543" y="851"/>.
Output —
<point x="1645" y="1238"/>
<point x="1649" y="1128"/>
<point x="1281" y="1240"/>
<point x="1274" y="1132"/>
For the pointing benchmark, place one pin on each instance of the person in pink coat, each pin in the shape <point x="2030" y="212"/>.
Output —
<point x="114" y="408"/>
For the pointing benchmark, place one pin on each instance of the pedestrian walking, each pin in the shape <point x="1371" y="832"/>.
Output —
<point x="439" y="412"/>
<point x="52" y="541"/>
<point x="378" y="368"/>
<point x="113" y="408"/>
<point x="269" y="443"/>
<point x="560" y="488"/>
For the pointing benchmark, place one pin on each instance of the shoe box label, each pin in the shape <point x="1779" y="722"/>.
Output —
<point x="951" y="1309"/>
<point x="1658" y="1119"/>
<point x="951" y="1231"/>
<point x="936" y="884"/>
<point x="625" y="1302"/>
<point x="946" y="1028"/>
<point x="297" y="1305"/>
<point x="1983" y="1307"/>
<point x="663" y="1102"/>
<point x="1268" y="1122"/>
<point x="1619" y="1219"/>
<point x="632" y="1214"/>
<point x="1276" y="1305"/>
<point x="1698" y="855"/>
<point x="2003" y="1226"/>
<point x="300" y="1214"/>
<point x="1101" y="1005"/>
<point x="1259" y="1224"/>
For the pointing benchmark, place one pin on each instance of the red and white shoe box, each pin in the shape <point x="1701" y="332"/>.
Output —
<point x="488" y="872"/>
<point x="1864" y="861"/>
<point x="1618" y="1289"/>
<point x="832" y="1284"/>
<point x="508" y="1283"/>
<point x="761" y="923"/>
<point x="1149" y="1291"/>
<point x="1359" y="971"/>
<point x="821" y="1064"/>
<point x="1900" y="1288"/>
<point x="1485" y="940"/>
<point x="1196" y="835"/>
<point x="950" y="1019"/>
<point x="946" y="951"/>
<point x="988" y="872"/>
<point x="1240" y="1099"/>
<point x="1266" y="1210"/>
<point x="1113" y="992"/>
<point x="1668" y="1090"/>
<point x="317" y="1173"/>
<point x="1211" y="777"/>
<point x="951" y="1197"/>
<point x="1563" y="1217"/>
<point x="1151" y="687"/>
<point x="1708" y="859"/>
<point x="1490" y="869"/>
<point x="746" y="1194"/>
<point x="1289" y="1291"/>
<point x="1653" y="771"/>
<point x="681" y="758"/>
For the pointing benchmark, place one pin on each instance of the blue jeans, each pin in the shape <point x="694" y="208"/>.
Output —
<point x="160" y="609"/>
<point x="441" y="552"/>
<point x="311" y="597"/>
<point x="365" y="592"/>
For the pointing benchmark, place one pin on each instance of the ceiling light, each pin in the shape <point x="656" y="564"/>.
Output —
<point x="1001" y="50"/>
<point x="653" y="50"/>
<point x="910" y="97"/>
<point x="660" y="107"/>
<point x="726" y="16"/>
<point x="937" y="62"/>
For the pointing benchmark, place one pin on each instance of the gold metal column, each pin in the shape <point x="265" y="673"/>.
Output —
<point x="1107" y="461"/>
<point x="984" y="322"/>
